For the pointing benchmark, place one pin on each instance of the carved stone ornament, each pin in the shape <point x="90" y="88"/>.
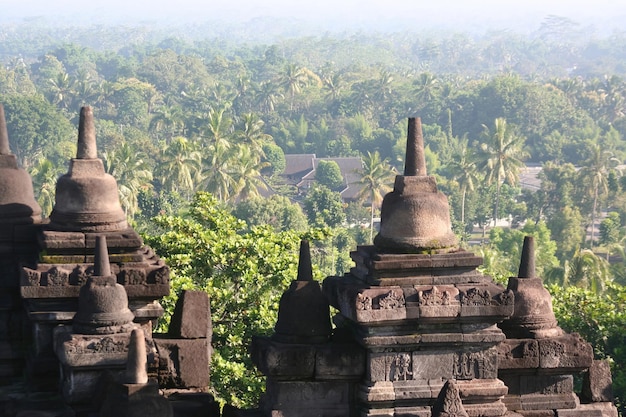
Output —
<point x="449" y="402"/>
<point x="32" y="276"/>
<point x="506" y="298"/>
<point x="470" y="365"/>
<point x="393" y="299"/>
<point x="58" y="277"/>
<point x="105" y="345"/>
<point x="433" y="297"/>
<point x="476" y="297"/>
<point x="401" y="367"/>
<point x="363" y="302"/>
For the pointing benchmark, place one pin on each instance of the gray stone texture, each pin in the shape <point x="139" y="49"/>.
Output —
<point x="192" y="316"/>
<point x="597" y="383"/>
<point x="183" y="363"/>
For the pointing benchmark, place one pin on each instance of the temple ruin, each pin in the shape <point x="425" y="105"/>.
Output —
<point x="419" y="331"/>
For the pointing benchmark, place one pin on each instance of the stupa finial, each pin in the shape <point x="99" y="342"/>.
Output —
<point x="305" y="270"/>
<point x="4" y="134"/>
<point x="527" y="262"/>
<point x="101" y="265"/>
<point x="415" y="163"/>
<point x="136" y="363"/>
<point x="86" y="135"/>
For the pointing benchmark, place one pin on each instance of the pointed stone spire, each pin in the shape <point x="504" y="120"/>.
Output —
<point x="303" y="312"/>
<point x="305" y="270"/>
<point x="87" y="199"/>
<point x="415" y="216"/>
<point x="102" y="302"/>
<point x="4" y="134"/>
<point x="101" y="265"/>
<point x="86" y="135"/>
<point x="137" y="361"/>
<point x="415" y="159"/>
<point x="527" y="263"/>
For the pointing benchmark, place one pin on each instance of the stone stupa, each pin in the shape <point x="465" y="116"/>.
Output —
<point x="20" y="217"/>
<point x="419" y="307"/>
<point x="87" y="206"/>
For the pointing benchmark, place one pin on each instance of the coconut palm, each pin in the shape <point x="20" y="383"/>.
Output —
<point x="251" y="132"/>
<point x="375" y="179"/>
<point x="585" y="269"/>
<point x="246" y="174"/>
<point x="180" y="165"/>
<point x="130" y="168"/>
<point x="45" y="175"/>
<point x="501" y="156"/>
<point x="595" y="174"/>
<point x="294" y="78"/>
<point x="462" y="168"/>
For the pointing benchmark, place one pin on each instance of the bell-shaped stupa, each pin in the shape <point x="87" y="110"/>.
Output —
<point x="17" y="200"/>
<point x="102" y="303"/>
<point x="415" y="216"/>
<point x="86" y="197"/>
<point x="533" y="315"/>
<point x="304" y="314"/>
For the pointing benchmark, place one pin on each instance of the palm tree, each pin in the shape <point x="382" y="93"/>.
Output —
<point x="500" y="156"/>
<point x="463" y="170"/>
<point x="168" y="119"/>
<point x="216" y="175"/>
<point x="585" y="269"/>
<point x="130" y="168"/>
<point x="267" y="96"/>
<point x="62" y="89"/>
<point x="294" y="78"/>
<point x="595" y="174"/>
<point x="246" y="174"/>
<point x="45" y="175"/>
<point x="180" y="165"/>
<point x="375" y="180"/>
<point x="251" y="132"/>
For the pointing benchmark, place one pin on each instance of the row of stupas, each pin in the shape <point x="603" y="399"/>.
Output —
<point x="419" y="331"/>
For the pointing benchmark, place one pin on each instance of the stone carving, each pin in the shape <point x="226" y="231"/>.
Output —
<point x="58" y="277"/>
<point x="32" y="277"/>
<point x="363" y="302"/>
<point x="552" y="348"/>
<point x="506" y="298"/>
<point x="393" y="299"/>
<point x="476" y="297"/>
<point x="104" y="345"/>
<point x="433" y="297"/>
<point x="449" y="402"/>
<point x="79" y="275"/>
<point x="162" y="275"/>
<point x="470" y="365"/>
<point x="133" y="276"/>
<point x="401" y="366"/>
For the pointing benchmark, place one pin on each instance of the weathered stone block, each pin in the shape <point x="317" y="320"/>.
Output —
<point x="77" y="350"/>
<point x="192" y="316"/>
<point x="518" y="354"/>
<point x="569" y="351"/>
<point x="183" y="363"/>
<point x="283" y="360"/>
<point x="597" y="383"/>
<point x="311" y="398"/>
<point x="339" y="361"/>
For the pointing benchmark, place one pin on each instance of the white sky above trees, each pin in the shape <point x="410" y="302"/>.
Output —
<point x="459" y="14"/>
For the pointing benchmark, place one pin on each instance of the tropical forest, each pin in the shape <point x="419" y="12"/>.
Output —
<point x="197" y="130"/>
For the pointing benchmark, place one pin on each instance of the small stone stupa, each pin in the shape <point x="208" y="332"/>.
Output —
<point x="419" y="307"/>
<point x="538" y="359"/>
<point x="87" y="206"/>
<point x="134" y="395"/>
<point x="308" y="372"/>
<point x="20" y="216"/>
<point x="303" y="314"/>
<point x="97" y="342"/>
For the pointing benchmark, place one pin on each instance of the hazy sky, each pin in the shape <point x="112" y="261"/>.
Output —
<point x="411" y="12"/>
